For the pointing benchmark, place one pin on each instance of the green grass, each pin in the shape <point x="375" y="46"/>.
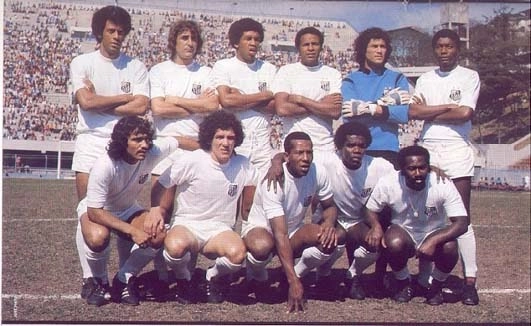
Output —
<point x="39" y="259"/>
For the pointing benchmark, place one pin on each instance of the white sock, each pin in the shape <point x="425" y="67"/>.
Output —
<point x="310" y="259"/>
<point x="439" y="275"/>
<point x="160" y="266"/>
<point x="402" y="274"/>
<point x="425" y="271"/>
<point x="326" y="268"/>
<point x="138" y="259"/>
<point x="98" y="262"/>
<point x="80" y="244"/>
<point x="222" y="267"/>
<point x="179" y="265"/>
<point x="123" y="247"/>
<point x="467" y="250"/>
<point x="362" y="259"/>
<point x="256" y="269"/>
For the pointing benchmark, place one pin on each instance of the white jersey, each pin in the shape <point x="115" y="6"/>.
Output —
<point x="313" y="83"/>
<point x="352" y="188"/>
<point x="123" y="75"/>
<point x="116" y="185"/>
<point x="459" y="86"/>
<point x="248" y="79"/>
<point x="418" y="212"/>
<point x="169" y="78"/>
<point x="292" y="200"/>
<point x="207" y="190"/>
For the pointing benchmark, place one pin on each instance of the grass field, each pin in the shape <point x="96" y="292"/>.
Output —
<point x="41" y="273"/>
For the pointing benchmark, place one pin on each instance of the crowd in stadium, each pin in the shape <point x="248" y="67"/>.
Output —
<point x="39" y="45"/>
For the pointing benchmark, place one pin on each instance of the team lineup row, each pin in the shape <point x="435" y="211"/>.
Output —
<point x="212" y="144"/>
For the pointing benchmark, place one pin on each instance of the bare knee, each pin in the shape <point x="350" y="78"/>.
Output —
<point x="97" y="238"/>
<point x="259" y="243"/>
<point x="175" y="246"/>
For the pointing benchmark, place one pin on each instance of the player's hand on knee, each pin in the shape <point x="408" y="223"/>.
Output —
<point x="154" y="222"/>
<point x="327" y="237"/>
<point x="140" y="237"/>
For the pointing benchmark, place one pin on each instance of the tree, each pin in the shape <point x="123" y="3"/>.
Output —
<point x="500" y="54"/>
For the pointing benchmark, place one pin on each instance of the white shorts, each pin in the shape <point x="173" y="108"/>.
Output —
<point x="123" y="215"/>
<point x="417" y="237"/>
<point x="88" y="149"/>
<point x="202" y="230"/>
<point x="167" y="162"/>
<point x="455" y="159"/>
<point x="257" y="148"/>
<point x="247" y="227"/>
<point x="347" y="223"/>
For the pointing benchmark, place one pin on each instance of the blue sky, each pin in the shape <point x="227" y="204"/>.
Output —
<point x="360" y="14"/>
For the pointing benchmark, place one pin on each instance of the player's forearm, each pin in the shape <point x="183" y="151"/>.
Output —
<point x="98" y="103"/>
<point x="456" y="115"/>
<point x="451" y="231"/>
<point x="285" y="256"/>
<point x="235" y="101"/>
<point x="195" y="105"/>
<point x="138" y="106"/>
<point x="425" y="112"/>
<point x="103" y="217"/>
<point x="166" y="109"/>
<point x="325" y="109"/>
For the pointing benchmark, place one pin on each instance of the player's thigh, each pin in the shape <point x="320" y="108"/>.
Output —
<point x="227" y="244"/>
<point x="179" y="240"/>
<point x="96" y="236"/>
<point x="306" y="236"/>
<point x="356" y="233"/>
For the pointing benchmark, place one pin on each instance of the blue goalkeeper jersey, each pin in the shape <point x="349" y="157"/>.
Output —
<point x="369" y="87"/>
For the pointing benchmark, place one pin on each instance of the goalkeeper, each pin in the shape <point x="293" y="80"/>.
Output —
<point x="375" y="95"/>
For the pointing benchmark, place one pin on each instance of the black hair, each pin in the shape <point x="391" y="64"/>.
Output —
<point x="219" y="120"/>
<point x="115" y="14"/>
<point x="125" y="127"/>
<point x="296" y="135"/>
<point x="309" y="30"/>
<point x="180" y="27"/>
<point x="414" y="150"/>
<point x="452" y="35"/>
<point x="241" y="26"/>
<point x="351" y="128"/>
<point x="373" y="33"/>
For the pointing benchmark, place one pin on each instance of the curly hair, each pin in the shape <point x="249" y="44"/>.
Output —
<point x="117" y="15"/>
<point x="179" y="28"/>
<point x="351" y="128"/>
<point x="365" y="37"/>
<point x="309" y="30"/>
<point x="414" y="150"/>
<point x="296" y="135"/>
<point x="219" y="120"/>
<point x="125" y="127"/>
<point x="241" y="26"/>
<point x="446" y="33"/>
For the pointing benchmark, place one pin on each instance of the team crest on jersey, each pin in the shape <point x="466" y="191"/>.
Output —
<point x="325" y="85"/>
<point x="455" y="95"/>
<point x="233" y="189"/>
<point x="430" y="211"/>
<point x="262" y="86"/>
<point x="196" y="89"/>
<point x="366" y="192"/>
<point x="307" y="201"/>
<point x="143" y="178"/>
<point x="125" y="87"/>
